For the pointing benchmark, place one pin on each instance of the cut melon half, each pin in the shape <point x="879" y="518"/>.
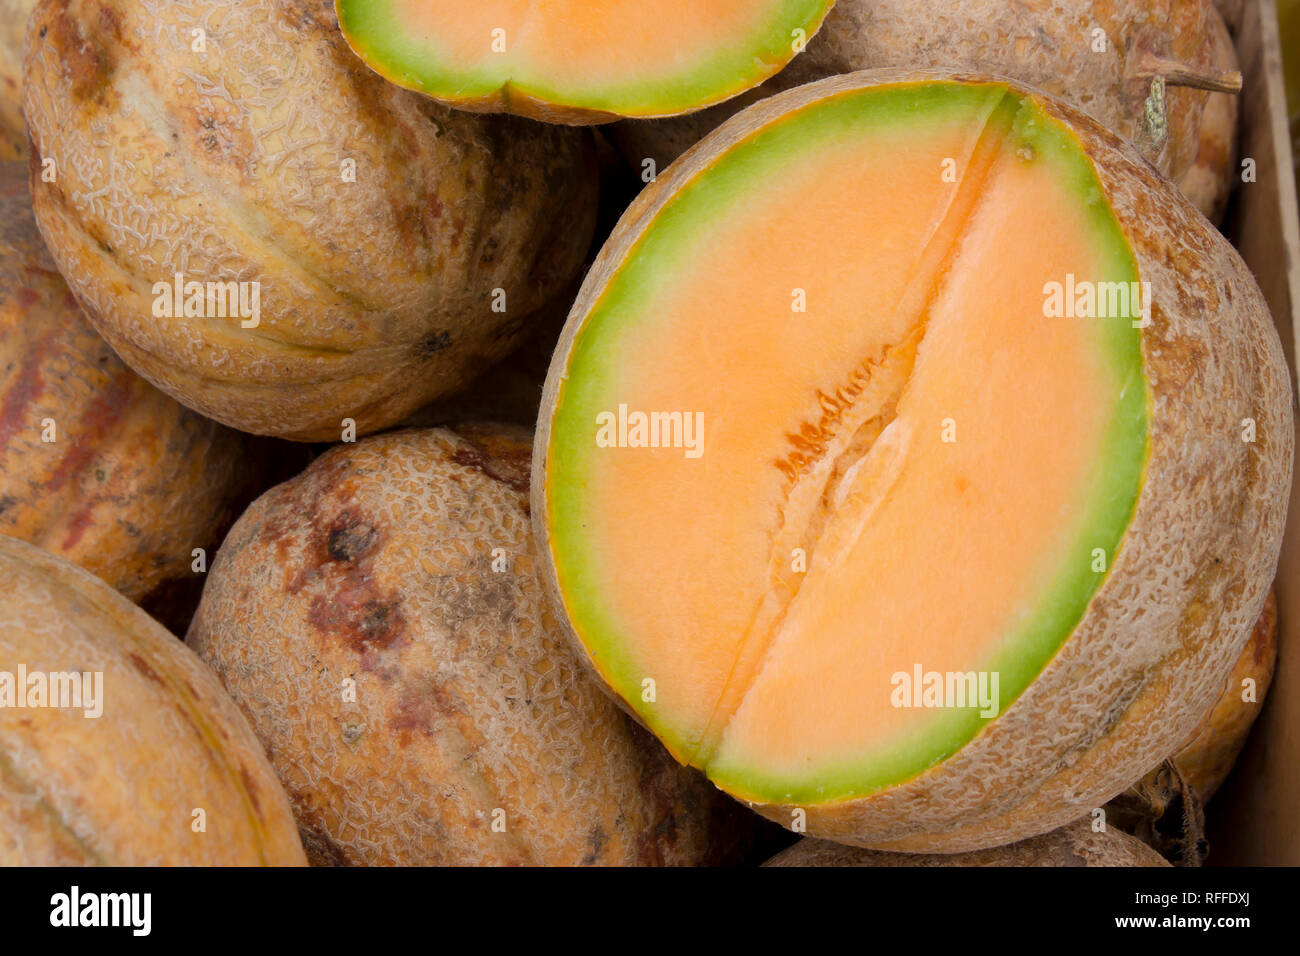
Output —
<point x="880" y="455"/>
<point x="574" y="61"/>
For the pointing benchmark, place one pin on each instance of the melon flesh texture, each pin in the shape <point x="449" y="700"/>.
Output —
<point x="577" y="61"/>
<point x="825" y="431"/>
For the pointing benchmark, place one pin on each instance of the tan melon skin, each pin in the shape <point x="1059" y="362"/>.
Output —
<point x="13" y="24"/>
<point x="1160" y="635"/>
<point x="1166" y="808"/>
<point x="376" y="295"/>
<point x="511" y="390"/>
<point x="1044" y="43"/>
<point x="1205" y="759"/>
<point x="122" y="788"/>
<point x="1073" y="845"/>
<point x="134" y="482"/>
<point x="377" y="565"/>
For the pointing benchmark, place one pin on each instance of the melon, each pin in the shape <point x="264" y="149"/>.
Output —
<point x="1074" y="845"/>
<point x="1231" y="11"/>
<point x="274" y="235"/>
<point x="914" y="461"/>
<point x="13" y="24"/>
<point x="1208" y="180"/>
<point x="1206" y="757"/>
<point x="117" y="746"/>
<point x="381" y="621"/>
<point x="572" y="61"/>
<point x="1166" y="808"/>
<point x="97" y="465"/>
<point x="1105" y="58"/>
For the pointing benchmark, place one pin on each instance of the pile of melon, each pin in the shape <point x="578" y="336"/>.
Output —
<point x="554" y="433"/>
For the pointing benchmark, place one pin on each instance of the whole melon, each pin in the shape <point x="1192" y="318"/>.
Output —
<point x="273" y="234"/>
<point x="97" y="465"/>
<point x="381" y="622"/>
<point x="1102" y="57"/>
<point x="117" y="746"/>
<point x="1074" y="845"/>
<point x="825" y="459"/>
<point x="13" y="24"/>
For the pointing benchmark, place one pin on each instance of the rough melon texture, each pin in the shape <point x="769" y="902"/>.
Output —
<point x="1166" y="807"/>
<point x="509" y="391"/>
<point x="1161" y="633"/>
<point x="132" y="482"/>
<point x="399" y="246"/>
<point x="123" y="788"/>
<point x="1043" y="44"/>
<point x="1205" y="759"/>
<point x="13" y="24"/>
<point x="377" y="566"/>
<point x="1073" y="845"/>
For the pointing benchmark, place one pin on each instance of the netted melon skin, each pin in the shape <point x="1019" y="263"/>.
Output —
<point x="377" y="565"/>
<point x="1206" y="758"/>
<point x="398" y="246"/>
<point x="132" y="482"/>
<point x="168" y="774"/>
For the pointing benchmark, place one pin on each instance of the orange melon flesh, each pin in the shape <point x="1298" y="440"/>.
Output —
<point x="622" y="57"/>
<point x="824" y="435"/>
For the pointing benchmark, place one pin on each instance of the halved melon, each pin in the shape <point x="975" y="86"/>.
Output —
<point x="573" y="61"/>
<point x="891" y="466"/>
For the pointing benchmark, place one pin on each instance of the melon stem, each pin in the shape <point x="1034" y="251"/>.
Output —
<point x="1176" y="73"/>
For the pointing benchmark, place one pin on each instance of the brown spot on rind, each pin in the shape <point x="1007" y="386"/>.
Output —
<point x="144" y="667"/>
<point x="87" y="61"/>
<point x="350" y="541"/>
<point x="420" y="709"/>
<point x="98" y="424"/>
<point x="250" y="787"/>
<point x="359" y="615"/>
<point x="27" y="385"/>
<point x="80" y="523"/>
<point x="500" y="458"/>
<point x="321" y="850"/>
<point x="597" y="839"/>
<point x="434" y="342"/>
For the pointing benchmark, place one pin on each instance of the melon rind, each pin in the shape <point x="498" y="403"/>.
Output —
<point x="376" y="34"/>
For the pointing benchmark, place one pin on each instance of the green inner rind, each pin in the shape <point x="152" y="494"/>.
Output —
<point x="668" y="242"/>
<point x="376" y="32"/>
